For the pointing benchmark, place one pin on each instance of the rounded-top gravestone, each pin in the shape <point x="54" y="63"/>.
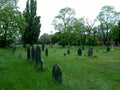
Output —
<point x="68" y="51"/>
<point x="90" y="52"/>
<point x="57" y="73"/>
<point x="79" y="52"/>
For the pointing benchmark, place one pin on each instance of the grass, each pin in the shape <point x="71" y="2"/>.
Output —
<point x="99" y="72"/>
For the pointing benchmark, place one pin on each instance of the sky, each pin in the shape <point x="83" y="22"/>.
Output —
<point x="48" y="9"/>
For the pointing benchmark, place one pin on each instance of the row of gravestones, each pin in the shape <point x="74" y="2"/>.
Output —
<point x="36" y="56"/>
<point x="90" y="51"/>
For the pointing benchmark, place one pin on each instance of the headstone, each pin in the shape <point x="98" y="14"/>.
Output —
<point x="38" y="54"/>
<point x="79" y="52"/>
<point x="64" y="54"/>
<point x="43" y="47"/>
<point x="68" y="51"/>
<point x="33" y="53"/>
<point x="46" y="52"/>
<point x="108" y="48"/>
<point x="28" y="52"/>
<point x="57" y="73"/>
<point x="83" y="47"/>
<point x="90" y="52"/>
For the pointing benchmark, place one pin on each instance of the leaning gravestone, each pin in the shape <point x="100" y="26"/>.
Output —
<point x="33" y="53"/>
<point x="108" y="48"/>
<point x="38" y="54"/>
<point x="90" y="52"/>
<point x="28" y="52"/>
<point x="46" y="52"/>
<point x="68" y="51"/>
<point x="57" y="73"/>
<point x="79" y="52"/>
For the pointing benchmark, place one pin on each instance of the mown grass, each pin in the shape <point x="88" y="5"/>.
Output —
<point x="99" y="72"/>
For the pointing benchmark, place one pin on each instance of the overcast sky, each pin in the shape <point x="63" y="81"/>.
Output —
<point x="48" y="9"/>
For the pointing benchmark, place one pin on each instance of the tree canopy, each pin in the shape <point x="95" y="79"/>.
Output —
<point x="32" y="30"/>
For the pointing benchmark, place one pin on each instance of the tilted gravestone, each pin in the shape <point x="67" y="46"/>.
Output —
<point x="43" y="47"/>
<point x="57" y="73"/>
<point x="33" y="53"/>
<point x="68" y="51"/>
<point x="108" y="48"/>
<point x="28" y="52"/>
<point x="38" y="54"/>
<point x="79" y="52"/>
<point x="90" y="52"/>
<point x="46" y="52"/>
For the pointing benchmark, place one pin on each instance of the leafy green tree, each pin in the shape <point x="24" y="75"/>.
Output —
<point x="107" y="17"/>
<point x="12" y="23"/>
<point x="63" y="22"/>
<point x="116" y="33"/>
<point x="32" y="30"/>
<point x="45" y="38"/>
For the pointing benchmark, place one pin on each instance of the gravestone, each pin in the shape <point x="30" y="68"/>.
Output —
<point x="83" y="47"/>
<point x="57" y="73"/>
<point x="108" y="48"/>
<point x="46" y="52"/>
<point x="43" y="47"/>
<point x="90" y="52"/>
<point x="28" y="52"/>
<point x="38" y="54"/>
<point x="68" y="51"/>
<point x="33" y="53"/>
<point x="64" y="54"/>
<point x="79" y="52"/>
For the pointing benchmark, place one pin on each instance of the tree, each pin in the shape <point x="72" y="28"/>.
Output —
<point x="116" y="33"/>
<point x="12" y="23"/>
<point x="45" y="39"/>
<point x="32" y="30"/>
<point x="64" y="21"/>
<point x="107" y="17"/>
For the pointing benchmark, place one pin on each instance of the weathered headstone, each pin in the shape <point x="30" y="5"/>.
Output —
<point x="38" y="54"/>
<point x="46" y="52"/>
<point x="79" y="52"/>
<point x="83" y="47"/>
<point x="108" y="48"/>
<point x="90" y="52"/>
<point x="43" y="47"/>
<point x="28" y="52"/>
<point x="57" y="73"/>
<point x="33" y="53"/>
<point x="68" y="51"/>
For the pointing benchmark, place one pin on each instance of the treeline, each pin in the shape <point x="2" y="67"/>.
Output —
<point x="103" y="30"/>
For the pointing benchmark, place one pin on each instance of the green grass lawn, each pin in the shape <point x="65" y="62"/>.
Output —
<point x="99" y="72"/>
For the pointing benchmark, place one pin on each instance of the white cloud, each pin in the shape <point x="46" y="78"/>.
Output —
<point x="48" y="9"/>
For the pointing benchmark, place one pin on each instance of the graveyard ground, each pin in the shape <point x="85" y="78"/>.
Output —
<point x="99" y="72"/>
